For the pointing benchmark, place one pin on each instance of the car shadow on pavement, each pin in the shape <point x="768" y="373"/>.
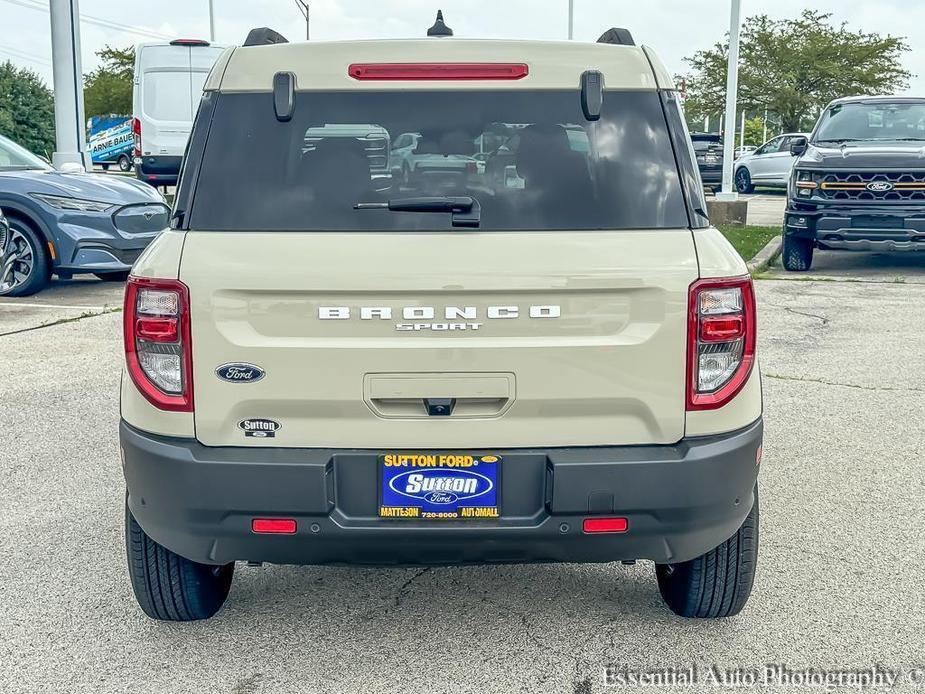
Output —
<point x="851" y="266"/>
<point x="483" y="597"/>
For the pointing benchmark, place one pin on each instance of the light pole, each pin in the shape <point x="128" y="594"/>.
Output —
<point x="211" y="22"/>
<point x="742" y="132"/>
<point x="571" y="19"/>
<point x="70" y="137"/>
<point x="732" y="88"/>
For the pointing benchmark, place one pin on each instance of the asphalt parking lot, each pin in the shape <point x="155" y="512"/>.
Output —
<point x="839" y="581"/>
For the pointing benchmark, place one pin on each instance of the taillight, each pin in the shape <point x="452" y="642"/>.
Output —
<point x="720" y="340"/>
<point x="438" y="71"/>
<point x="158" y="351"/>
<point x="136" y="137"/>
<point x="189" y="42"/>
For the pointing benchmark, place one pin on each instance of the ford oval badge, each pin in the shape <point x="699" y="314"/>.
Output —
<point x="239" y="372"/>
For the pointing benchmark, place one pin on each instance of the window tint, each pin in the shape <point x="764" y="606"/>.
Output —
<point x="529" y="158"/>
<point x="701" y="146"/>
<point x="12" y="156"/>
<point x="770" y="146"/>
<point x="167" y="95"/>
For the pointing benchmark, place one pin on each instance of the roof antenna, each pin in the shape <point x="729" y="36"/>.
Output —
<point x="439" y="28"/>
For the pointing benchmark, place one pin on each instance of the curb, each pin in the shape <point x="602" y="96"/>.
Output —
<point x="763" y="259"/>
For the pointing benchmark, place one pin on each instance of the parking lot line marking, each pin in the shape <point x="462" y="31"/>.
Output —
<point x="14" y="304"/>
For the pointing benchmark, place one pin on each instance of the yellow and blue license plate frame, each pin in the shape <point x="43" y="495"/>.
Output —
<point x="439" y="486"/>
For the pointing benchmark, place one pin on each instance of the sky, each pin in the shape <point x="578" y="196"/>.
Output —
<point x="674" y="28"/>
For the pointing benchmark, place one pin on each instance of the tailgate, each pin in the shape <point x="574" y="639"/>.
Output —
<point x="531" y="339"/>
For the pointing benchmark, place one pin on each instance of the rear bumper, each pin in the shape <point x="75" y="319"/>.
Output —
<point x="158" y="170"/>
<point x="711" y="175"/>
<point x="680" y="500"/>
<point x="854" y="227"/>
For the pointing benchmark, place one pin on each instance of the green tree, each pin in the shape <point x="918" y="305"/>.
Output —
<point x="754" y="131"/>
<point x="794" y="67"/>
<point x="108" y="89"/>
<point x="27" y="111"/>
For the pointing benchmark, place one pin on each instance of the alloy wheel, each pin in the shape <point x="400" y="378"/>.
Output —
<point x="17" y="262"/>
<point x="742" y="180"/>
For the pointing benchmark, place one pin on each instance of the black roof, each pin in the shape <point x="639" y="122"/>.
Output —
<point x="878" y="100"/>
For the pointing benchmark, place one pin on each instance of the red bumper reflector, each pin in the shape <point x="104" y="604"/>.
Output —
<point x="605" y="525"/>
<point x="278" y="526"/>
<point x="438" y="71"/>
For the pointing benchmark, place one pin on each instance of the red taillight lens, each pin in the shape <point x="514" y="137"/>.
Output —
<point x="278" y="526"/>
<point x="722" y="329"/>
<point x="721" y="340"/>
<point x="158" y="348"/>
<point x="438" y="71"/>
<point x="136" y="136"/>
<point x="157" y="329"/>
<point x="605" y="525"/>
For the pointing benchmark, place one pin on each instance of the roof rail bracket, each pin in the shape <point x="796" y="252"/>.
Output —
<point x="264" y="36"/>
<point x="617" y="37"/>
<point x="592" y="94"/>
<point x="284" y="95"/>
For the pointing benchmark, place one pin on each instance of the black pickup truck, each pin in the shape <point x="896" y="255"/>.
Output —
<point x="859" y="180"/>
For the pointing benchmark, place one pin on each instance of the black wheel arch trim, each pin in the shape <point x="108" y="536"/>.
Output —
<point x="25" y="213"/>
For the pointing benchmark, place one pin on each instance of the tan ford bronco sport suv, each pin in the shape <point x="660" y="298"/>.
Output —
<point x="534" y="348"/>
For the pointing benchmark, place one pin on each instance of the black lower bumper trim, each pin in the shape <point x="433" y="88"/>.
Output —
<point x="680" y="500"/>
<point x="870" y="227"/>
<point x="159" y="169"/>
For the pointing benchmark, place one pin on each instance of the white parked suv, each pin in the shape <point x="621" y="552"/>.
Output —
<point x="769" y="165"/>
<point x="331" y="367"/>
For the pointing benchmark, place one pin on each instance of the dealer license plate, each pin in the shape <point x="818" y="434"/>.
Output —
<point x="456" y="486"/>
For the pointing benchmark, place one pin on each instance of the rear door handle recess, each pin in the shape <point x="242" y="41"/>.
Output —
<point x="454" y="395"/>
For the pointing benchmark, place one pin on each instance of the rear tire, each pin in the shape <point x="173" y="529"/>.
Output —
<point x="797" y="254"/>
<point x="112" y="276"/>
<point x="717" y="583"/>
<point x="743" y="181"/>
<point x="169" y="587"/>
<point x="125" y="164"/>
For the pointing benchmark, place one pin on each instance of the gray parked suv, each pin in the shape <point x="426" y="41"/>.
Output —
<point x="70" y="223"/>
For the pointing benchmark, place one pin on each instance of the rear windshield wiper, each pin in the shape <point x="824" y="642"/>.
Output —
<point x="465" y="210"/>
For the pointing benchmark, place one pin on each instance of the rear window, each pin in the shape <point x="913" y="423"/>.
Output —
<point x="706" y="145"/>
<point x="167" y="95"/>
<point x="529" y="158"/>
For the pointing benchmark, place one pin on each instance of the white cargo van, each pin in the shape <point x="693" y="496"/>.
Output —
<point x="168" y="86"/>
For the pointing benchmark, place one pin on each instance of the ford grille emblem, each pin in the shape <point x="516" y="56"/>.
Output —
<point x="879" y="186"/>
<point x="239" y="372"/>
